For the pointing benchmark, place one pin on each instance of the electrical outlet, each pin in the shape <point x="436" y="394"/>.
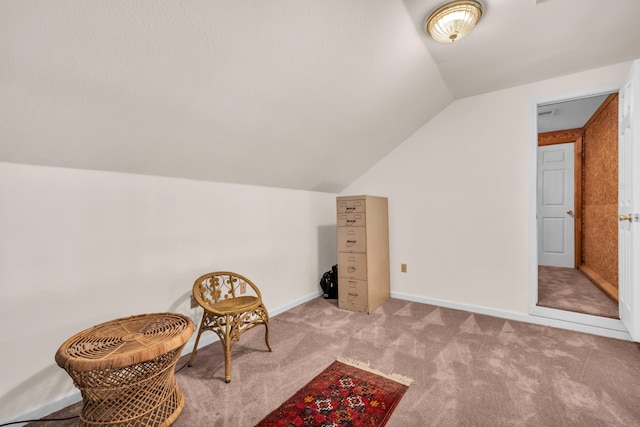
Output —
<point x="403" y="268"/>
<point x="194" y="303"/>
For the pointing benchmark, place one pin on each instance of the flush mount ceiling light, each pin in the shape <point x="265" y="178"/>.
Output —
<point x="453" y="21"/>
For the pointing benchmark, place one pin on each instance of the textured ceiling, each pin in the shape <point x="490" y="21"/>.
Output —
<point x="286" y="93"/>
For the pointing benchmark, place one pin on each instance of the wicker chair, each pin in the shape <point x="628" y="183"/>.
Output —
<point x="232" y="305"/>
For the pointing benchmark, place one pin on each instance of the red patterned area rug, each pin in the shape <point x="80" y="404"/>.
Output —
<point x="346" y="394"/>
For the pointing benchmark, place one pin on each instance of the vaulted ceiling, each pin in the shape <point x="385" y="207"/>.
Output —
<point x="304" y="94"/>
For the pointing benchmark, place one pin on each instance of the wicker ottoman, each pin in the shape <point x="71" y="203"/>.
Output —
<point x="125" y="369"/>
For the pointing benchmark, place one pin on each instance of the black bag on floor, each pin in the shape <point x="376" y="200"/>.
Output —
<point x="329" y="283"/>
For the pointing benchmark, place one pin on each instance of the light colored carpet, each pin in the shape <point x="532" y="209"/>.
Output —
<point x="568" y="289"/>
<point x="469" y="369"/>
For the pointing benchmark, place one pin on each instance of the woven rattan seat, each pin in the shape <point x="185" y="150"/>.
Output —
<point x="124" y="369"/>
<point x="232" y="305"/>
<point x="235" y="305"/>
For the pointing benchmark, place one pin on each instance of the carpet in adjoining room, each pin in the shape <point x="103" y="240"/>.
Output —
<point x="570" y="290"/>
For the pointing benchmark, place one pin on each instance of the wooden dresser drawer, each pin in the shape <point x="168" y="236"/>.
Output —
<point x="354" y="307"/>
<point x="352" y="219"/>
<point x="353" y="294"/>
<point x="352" y="239"/>
<point x="355" y="289"/>
<point x="350" y="206"/>
<point x="352" y="266"/>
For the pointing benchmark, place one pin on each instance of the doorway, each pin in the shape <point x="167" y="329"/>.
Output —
<point x="627" y="217"/>
<point x="577" y="205"/>
<point x="566" y="225"/>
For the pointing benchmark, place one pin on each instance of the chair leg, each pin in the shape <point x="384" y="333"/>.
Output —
<point x="264" y="316"/>
<point x="225" y="338"/>
<point x="227" y="364"/>
<point x="266" y="335"/>
<point x="227" y="351"/>
<point x="195" y="346"/>
<point x="195" y="349"/>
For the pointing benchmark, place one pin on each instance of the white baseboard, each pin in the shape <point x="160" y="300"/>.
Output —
<point x="295" y="303"/>
<point x="75" y="396"/>
<point x="612" y="328"/>
<point x="46" y="408"/>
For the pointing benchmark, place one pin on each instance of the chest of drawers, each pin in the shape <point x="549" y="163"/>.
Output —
<point x="363" y="252"/>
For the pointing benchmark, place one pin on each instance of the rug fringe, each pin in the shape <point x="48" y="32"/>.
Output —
<point x="365" y="367"/>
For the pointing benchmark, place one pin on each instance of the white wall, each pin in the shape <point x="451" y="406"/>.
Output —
<point x="459" y="196"/>
<point x="78" y="248"/>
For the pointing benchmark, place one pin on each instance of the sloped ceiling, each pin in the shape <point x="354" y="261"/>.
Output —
<point x="287" y="93"/>
<point x="523" y="41"/>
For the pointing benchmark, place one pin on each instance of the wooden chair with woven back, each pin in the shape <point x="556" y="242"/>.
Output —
<point x="232" y="305"/>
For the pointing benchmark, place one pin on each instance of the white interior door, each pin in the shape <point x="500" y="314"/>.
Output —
<point x="555" y="205"/>
<point x="629" y="202"/>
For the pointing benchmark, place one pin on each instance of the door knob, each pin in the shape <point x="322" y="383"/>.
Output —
<point x="570" y="212"/>
<point x="626" y="217"/>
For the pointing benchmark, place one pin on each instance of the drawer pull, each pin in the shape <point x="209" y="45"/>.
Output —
<point x="353" y="294"/>
<point x="351" y="242"/>
<point x="351" y="269"/>
<point x="351" y="209"/>
<point x="351" y="221"/>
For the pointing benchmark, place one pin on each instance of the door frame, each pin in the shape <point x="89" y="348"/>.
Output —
<point x="615" y="327"/>
<point x="563" y="137"/>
